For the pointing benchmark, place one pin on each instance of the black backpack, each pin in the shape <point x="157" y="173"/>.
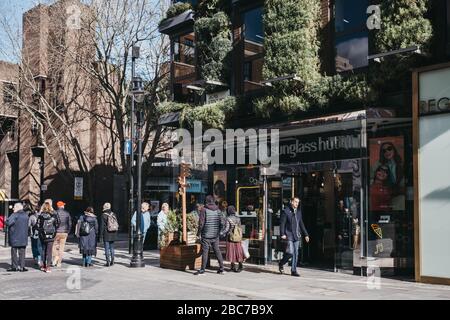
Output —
<point x="85" y="227"/>
<point x="48" y="227"/>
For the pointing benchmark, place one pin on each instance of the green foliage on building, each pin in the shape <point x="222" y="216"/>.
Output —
<point x="292" y="46"/>
<point x="213" y="44"/>
<point x="176" y="9"/>
<point x="404" y="23"/>
<point x="212" y="115"/>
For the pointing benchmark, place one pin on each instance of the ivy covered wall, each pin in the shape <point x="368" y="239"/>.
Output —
<point x="213" y="45"/>
<point x="404" y="23"/>
<point x="292" y="45"/>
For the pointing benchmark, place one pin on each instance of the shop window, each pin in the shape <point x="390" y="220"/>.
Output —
<point x="351" y="35"/>
<point x="253" y="36"/>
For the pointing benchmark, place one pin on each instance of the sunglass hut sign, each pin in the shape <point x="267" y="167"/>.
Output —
<point x="320" y="148"/>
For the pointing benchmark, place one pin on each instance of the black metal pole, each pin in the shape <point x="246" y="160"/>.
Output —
<point x="137" y="261"/>
<point x="131" y="172"/>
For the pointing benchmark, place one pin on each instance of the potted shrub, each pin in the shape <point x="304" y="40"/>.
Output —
<point x="173" y="253"/>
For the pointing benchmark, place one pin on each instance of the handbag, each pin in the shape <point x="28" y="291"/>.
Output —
<point x="244" y="244"/>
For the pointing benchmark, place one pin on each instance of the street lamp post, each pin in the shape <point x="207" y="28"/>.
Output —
<point x="137" y="260"/>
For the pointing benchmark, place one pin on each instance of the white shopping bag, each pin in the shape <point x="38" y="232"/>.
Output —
<point x="245" y="244"/>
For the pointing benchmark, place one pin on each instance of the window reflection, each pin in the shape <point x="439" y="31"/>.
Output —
<point x="253" y="35"/>
<point x="352" y="45"/>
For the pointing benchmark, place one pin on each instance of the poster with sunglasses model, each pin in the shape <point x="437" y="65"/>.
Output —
<point x="387" y="174"/>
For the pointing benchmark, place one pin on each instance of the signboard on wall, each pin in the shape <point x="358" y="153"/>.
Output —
<point x="432" y="156"/>
<point x="217" y="96"/>
<point x="323" y="147"/>
<point x="78" y="188"/>
<point x="434" y="92"/>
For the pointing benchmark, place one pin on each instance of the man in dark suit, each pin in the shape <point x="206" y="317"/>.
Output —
<point x="292" y="229"/>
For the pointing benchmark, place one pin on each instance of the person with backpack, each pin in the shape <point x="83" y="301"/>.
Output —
<point x="235" y="253"/>
<point x="36" y="245"/>
<point x="86" y="231"/>
<point x="48" y="223"/>
<point x="108" y="232"/>
<point x="61" y="234"/>
<point x="18" y="237"/>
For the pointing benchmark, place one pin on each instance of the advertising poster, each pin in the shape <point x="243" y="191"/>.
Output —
<point x="387" y="174"/>
<point x="220" y="185"/>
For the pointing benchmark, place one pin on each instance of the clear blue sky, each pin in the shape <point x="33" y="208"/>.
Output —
<point x="11" y="13"/>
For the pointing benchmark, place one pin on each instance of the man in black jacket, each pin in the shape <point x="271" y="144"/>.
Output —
<point x="18" y="237"/>
<point x="292" y="229"/>
<point x="211" y="223"/>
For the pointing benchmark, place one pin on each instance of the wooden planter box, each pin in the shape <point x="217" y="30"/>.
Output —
<point x="178" y="257"/>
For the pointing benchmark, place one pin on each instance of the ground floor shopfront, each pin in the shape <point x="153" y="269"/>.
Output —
<point x="352" y="173"/>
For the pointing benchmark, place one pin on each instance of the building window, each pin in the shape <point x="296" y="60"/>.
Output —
<point x="9" y="90"/>
<point x="253" y="35"/>
<point x="184" y="49"/>
<point x="351" y="35"/>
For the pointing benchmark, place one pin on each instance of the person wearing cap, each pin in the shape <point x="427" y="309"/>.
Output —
<point x="61" y="233"/>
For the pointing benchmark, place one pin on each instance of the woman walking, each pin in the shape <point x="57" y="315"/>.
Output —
<point x="48" y="223"/>
<point x="36" y="246"/>
<point x="86" y="231"/>
<point x="108" y="232"/>
<point x="235" y="253"/>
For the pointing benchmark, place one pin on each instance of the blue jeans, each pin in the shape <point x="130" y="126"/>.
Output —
<point x="292" y="251"/>
<point x="87" y="259"/>
<point x="36" y="248"/>
<point x="109" y="250"/>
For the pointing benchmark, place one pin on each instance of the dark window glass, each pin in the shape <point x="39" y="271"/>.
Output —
<point x="352" y="45"/>
<point x="253" y="25"/>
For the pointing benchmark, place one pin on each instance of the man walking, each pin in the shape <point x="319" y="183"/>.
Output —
<point x="292" y="229"/>
<point x="211" y="222"/>
<point x="61" y="233"/>
<point x="18" y="237"/>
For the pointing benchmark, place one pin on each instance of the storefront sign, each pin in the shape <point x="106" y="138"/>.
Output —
<point x="194" y="186"/>
<point x="320" y="148"/>
<point x="217" y="96"/>
<point x="434" y="92"/>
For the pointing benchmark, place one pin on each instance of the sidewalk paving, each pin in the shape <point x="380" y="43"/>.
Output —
<point x="153" y="282"/>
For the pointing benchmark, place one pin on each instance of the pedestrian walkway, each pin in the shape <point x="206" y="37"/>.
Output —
<point x="153" y="282"/>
